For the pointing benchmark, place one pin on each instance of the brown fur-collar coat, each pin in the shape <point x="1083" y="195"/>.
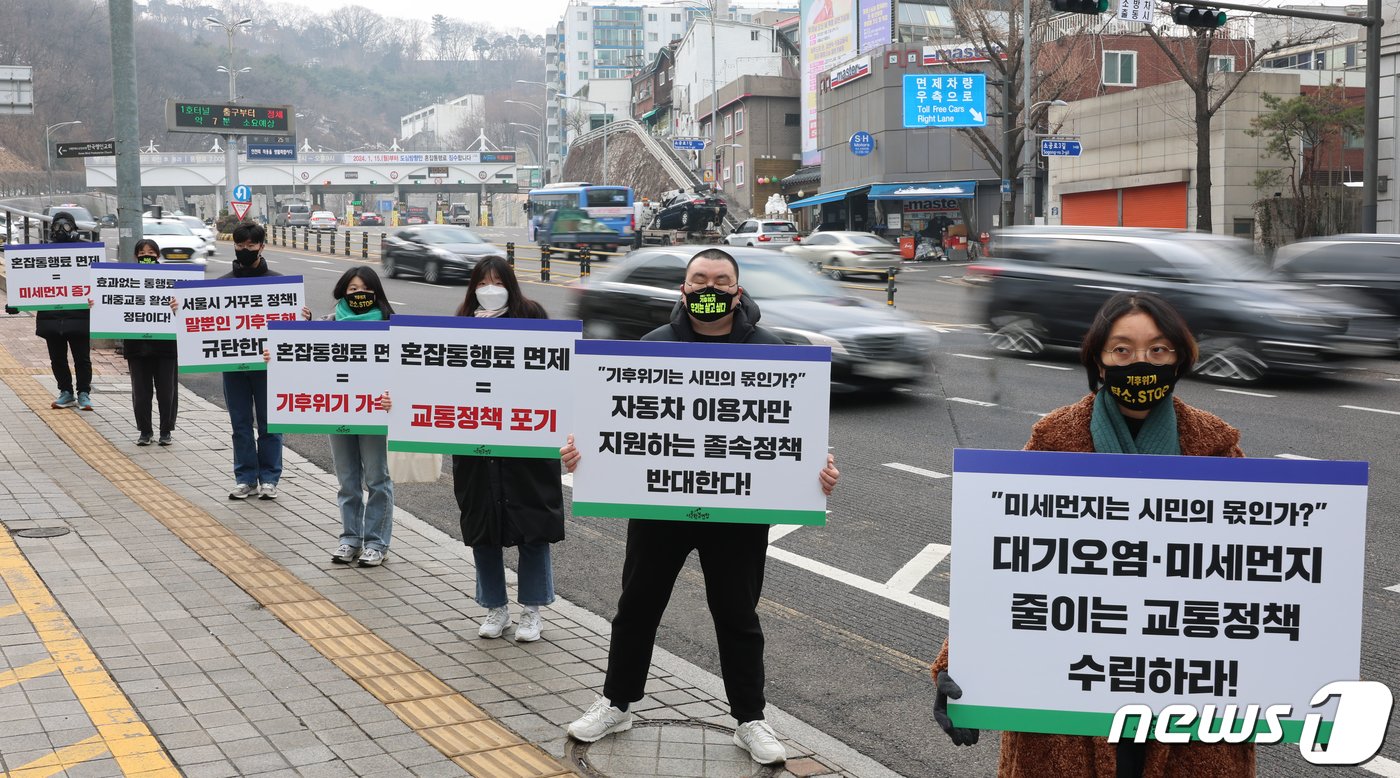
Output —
<point x="1033" y="755"/>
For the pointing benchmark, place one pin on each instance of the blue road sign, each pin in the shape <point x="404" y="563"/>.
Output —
<point x="945" y="100"/>
<point x="1006" y="186"/>
<point x="280" y="152"/>
<point x="688" y="144"/>
<point x="862" y="143"/>
<point x="1060" y="148"/>
<point x="242" y="194"/>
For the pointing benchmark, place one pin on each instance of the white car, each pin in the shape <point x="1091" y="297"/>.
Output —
<point x="764" y="233"/>
<point x="177" y="243"/>
<point x="322" y="220"/>
<point x="203" y="230"/>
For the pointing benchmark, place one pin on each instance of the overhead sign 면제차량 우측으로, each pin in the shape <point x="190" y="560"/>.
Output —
<point x="945" y="100"/>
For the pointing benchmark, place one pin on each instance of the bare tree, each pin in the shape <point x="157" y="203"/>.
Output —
<point x="356" y="27"/>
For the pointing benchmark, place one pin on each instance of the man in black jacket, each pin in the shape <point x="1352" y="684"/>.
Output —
<point x="66" y="331"/>
<point x="257" y="462"/>
<point x="732" y="556"/>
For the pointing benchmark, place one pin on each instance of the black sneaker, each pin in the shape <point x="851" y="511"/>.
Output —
<point x="165" y="439"/>
<point x="144" y="440"/>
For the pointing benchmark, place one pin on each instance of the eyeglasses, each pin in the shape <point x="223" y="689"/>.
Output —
<point x="1156" y="355"/>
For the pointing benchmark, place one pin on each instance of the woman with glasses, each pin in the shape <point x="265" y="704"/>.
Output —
<point x="1137" y="350"/>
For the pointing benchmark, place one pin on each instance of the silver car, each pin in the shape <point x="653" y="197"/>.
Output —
<point x="840" y="254"/>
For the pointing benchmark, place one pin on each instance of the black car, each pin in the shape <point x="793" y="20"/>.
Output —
<point x="1045" y="284"/>
<point x="437" y="252"/>
<point x="693" y="211"/>
<point x="872" y="347"/>
<point x="1349" y="267"/>
<point x="107" y="220"/>
<point x="370" y="219"/>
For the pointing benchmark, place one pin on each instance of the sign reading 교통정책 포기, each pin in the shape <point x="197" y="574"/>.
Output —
<point x="327" y="377"/>
<point x="222" y="323"/>
<point x="1082" y="583"/>
<point x="50" y="276"/>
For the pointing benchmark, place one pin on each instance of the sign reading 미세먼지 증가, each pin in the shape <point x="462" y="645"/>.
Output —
<point x="50" y="276"/>
<point x="222" y="323"/>
<point x="492" y="387"/>
<point x="1085" y="582"/>
<point x="706" y="432"/>
<point x="131" y="301"/>
<point x="327" y="377"/>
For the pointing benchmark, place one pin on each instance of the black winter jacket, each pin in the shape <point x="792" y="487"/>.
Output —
<point x="54" y="324"/>
<point x="746" y="329"/>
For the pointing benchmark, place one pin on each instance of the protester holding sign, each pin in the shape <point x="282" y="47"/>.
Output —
<point x="714" y="309"/>
<point x="153" y="365"/>
<point x="508" y="501"/>
<point x="1136" y="350"/>
<point x="65" y="331"/>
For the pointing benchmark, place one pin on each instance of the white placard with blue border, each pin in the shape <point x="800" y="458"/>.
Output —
<point x="327" y="377"/>
<point x="486" y="387"/>
<point x="131" y="300"/>
<point x="50" y="276"/>
<point x="1085" y="582"/>
<point x="703" y="432"/>
<point x="958" y="100"/>
<point x="221" y="326"/>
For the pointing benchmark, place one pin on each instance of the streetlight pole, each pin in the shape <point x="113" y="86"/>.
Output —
<point x="539" y="139"/>
<point x="606" y="117"/>
<point x="231" y="147"/>
<point x="48" y="153"/>
<point x="544" y="121"/>
<point x="1028" y="152"/>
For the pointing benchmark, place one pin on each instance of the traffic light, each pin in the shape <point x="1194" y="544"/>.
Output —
<point x="1079" y="6"/>
<point x="1199" y="18"/>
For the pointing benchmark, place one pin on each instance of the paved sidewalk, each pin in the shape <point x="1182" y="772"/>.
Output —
<point x="168" y="630"/>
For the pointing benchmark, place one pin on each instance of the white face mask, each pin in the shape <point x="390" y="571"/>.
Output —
<point x="492" y="298"/>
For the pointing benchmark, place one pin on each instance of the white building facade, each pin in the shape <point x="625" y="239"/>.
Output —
<point x="441" y="120"/>
<point x="742" y="50"/>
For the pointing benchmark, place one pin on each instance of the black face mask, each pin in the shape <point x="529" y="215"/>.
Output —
<point x="709" y="304"/>
<point x="244" y="261"/>
<point x="1140" y="386"/>
<point x="359" y="302"/>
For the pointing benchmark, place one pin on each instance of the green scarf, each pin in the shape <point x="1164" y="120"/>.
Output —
<point x="1112" y="436"/>
<point x="343" y="313"/>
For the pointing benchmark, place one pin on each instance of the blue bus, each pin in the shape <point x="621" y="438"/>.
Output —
<point x="611" y="205"/>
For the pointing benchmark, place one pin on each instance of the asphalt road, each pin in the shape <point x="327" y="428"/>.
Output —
<point x="849" y="653"/>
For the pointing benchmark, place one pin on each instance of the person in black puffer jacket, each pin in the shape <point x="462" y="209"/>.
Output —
<point x="66" y="331"/>
<point x="153" y="366"/>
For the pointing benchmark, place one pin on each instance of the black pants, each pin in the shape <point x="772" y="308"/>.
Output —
<point x="59" y="346"/>
<point x="732" y="557"/>
<point x="158" y="374"/>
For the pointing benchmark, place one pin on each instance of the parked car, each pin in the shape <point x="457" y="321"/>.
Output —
<point x="292" y="215"/>
<point x="177" y="242"/>
<point x="322" y="221"/>
<point x="872" y="347"/>
<point x="370" y="219"/>
<point x="572" y="228"/>
<point x="88" y="228"/>
<point x="847" y="253"/>
<point x="764" y="233"/>
<point x="1045" y="284"/>
<point x="437" y="252"/>
<point x="693" y="211"/>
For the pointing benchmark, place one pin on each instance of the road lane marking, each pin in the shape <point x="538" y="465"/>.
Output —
<point x="916" y="470"/>
<point x="316" y="261"/>
<point x="1393" y="379"/>
<point x="396" y="302"/>
<point x="1372" y="410"/>
<point x="779" y="531"/>
<point x="1294" y="456"/>
<point x="1382" y="766"/>
<point x="326" y="269"/>
<point x="420" y="283"/>
<point x="974" y="356"/>
<point x="1395" y="588"/>
<point x="918" y="568"/>
<point x="921" y="604"/>
<point x="978" y="403"/>
<point x="1243" y="392"/>
<point x="568" y="480"/>
<point x="1049" y="367"/>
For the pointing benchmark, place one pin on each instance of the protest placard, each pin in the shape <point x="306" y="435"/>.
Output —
<point x="481" y="386"/>
<point x="327" y="377"/>
<point x="50" y="276"/>
<point x="131" y="300"/>
<point x="222" y="323"/>
<point x="1085" y="582"/>
<point x="709" y="432"/>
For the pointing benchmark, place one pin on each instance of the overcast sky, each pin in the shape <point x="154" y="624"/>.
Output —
<point x="531" y="15"/>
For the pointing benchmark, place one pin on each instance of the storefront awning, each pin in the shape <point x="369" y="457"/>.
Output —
<point x="649" y="114"/>
<point x="826" y="197"/>
<point x="965" y="189"/>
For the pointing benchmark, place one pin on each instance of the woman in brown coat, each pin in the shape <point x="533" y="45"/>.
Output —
<point x="1138" y="348"/>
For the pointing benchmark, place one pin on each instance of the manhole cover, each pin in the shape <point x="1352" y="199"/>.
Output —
<point x="42" y="532"/>
<point x="708" y="748"/>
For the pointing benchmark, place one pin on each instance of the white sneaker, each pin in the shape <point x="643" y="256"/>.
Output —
<point x="758" y="739"/>
<point x="497" y="619"/>
<point x="268" y="492"/>
<point x="527" y="630"/>
<point x="243" y="491"/>
<point x="599" y="720"/>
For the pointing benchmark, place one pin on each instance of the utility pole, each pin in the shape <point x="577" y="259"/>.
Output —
<point x="231" y="147"/>
<point x="120" y="15"/>
<point x="1008" y="166"/>
<point x="1027" y="153"/>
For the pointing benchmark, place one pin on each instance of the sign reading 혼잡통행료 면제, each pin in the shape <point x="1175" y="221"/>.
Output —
<point x="494" y="387"/>
<point x="131" y="301"/>
<point x="1085" y="582"/>
<point x="50" y="276"/>
<point x="707" y="432"/>
<point x="327" y="377"/>
<point x="222" y="323"/>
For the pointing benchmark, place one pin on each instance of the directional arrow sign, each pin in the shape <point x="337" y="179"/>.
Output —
<point x="1060" y="148"/>
<point x="938" y="100"/>
<point x="242" y="194"/>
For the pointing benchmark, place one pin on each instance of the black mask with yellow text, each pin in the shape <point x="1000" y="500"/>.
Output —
<point x="359" y="302"/>
<point x="1140" y="386"/>
<point x="709" y="303"/>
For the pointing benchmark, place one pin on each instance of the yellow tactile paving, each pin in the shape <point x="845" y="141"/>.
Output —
<point x="31" y="670"/>
<point x="444" y="718"/>
<point x="63" y="758"/>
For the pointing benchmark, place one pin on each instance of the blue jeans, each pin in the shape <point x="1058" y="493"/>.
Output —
<point x="255" y="461"/>
<point x="536" y="575"/>
<point x="362" y="463"/>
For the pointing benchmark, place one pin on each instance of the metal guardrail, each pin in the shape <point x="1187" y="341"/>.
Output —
<point x="28" y="219"/>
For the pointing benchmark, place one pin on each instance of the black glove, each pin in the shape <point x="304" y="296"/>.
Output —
<point x="11" y="310"/>
<point x="948" y="689"/>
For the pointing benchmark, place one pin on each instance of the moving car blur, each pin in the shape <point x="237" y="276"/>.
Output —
<point x="177" y="241"/>
<point x="693" y="211"/>
<point x="1355" y="268"/>
<point x="574" y="229"/>
<point x="437" y="252"/>
<point x="1044" y="284"/>
<point x="872" y="346"/>
<point x="840" y="253"/>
